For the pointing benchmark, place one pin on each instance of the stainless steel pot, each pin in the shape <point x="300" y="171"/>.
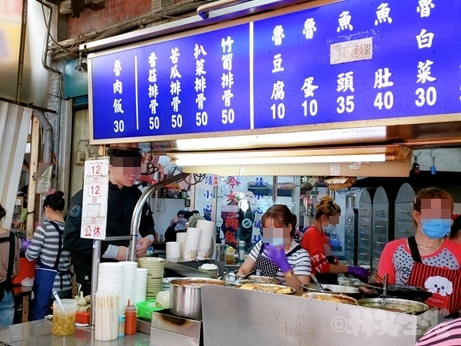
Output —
<point x="186" y="296"/>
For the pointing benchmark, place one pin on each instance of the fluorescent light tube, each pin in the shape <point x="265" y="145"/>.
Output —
<point x="307" y="137"/>
<point x="204" y="160"/>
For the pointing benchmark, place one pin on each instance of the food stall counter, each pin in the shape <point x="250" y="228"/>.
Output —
<point x="39" y="333"/>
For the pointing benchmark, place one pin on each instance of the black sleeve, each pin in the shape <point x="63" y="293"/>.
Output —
<point x="147" y="225"/>
<point x="72" y="240"/>
<point x="170" y="234"/>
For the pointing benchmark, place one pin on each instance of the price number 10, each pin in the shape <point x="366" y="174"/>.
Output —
<point x="310" y="108"/>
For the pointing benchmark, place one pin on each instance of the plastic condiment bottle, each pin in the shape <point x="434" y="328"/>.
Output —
<point x="130" y="319"/>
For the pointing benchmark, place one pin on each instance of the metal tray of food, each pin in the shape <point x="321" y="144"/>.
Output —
<point x="333" y="298"/>
<point x="269" y="288"/>
<point x="395" y="305"/>
<point x="259" y="280"/>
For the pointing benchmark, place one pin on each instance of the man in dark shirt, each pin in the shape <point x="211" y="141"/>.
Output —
<point x="125" y="163"/>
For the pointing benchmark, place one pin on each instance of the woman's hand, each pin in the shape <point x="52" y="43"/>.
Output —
<point x="277" y="255"/>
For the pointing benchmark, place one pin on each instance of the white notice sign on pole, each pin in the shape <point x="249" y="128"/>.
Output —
<point x="95" y="194"/>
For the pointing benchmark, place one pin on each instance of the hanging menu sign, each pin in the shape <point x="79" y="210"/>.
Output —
<point x="342" y="62"/>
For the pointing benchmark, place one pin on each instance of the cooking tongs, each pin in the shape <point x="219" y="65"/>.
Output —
<point x="385" y="287"/>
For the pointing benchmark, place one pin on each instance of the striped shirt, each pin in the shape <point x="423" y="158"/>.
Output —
<point x="445" y="334"/>
<point x="299" y="260"/>
<point x="44" y="245"/>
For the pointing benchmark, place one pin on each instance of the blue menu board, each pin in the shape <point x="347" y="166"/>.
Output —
<point x="413" y="65"/>
<point x="193" y="84"/>
<point x="348" y="61"/>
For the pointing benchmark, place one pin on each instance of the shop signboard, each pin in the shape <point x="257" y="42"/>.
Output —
<point x="343" y="62"/>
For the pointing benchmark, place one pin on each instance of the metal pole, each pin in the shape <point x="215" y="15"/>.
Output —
<point x="136" y="219"/>
<point x="94" y="275"/>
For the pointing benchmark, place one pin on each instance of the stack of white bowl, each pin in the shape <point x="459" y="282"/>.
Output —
<point x="155" y="267"/>
<point x="181" y="239"/>
<point x="192" y="243"/>
<point x="129" y="281"/>
<point x="110" y="277"/>
<point x="172" y="249"/>
<point x="141" y="285"/>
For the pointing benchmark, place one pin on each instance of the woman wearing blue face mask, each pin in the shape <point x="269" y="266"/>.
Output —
<point x="278" y="255"/>
<point x="315" y="240"/>
<point x="428" y="259"/>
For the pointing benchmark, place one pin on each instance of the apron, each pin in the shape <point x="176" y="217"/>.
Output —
<point x="327" y="278"/>
<point x="265" y="267"/>
<point x="5" y="286"/>
<point x="44" y="282"/>
<point x="443" y="283"/>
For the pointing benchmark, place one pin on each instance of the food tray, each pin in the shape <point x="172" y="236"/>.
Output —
<point x="145" y="309"/>
<point x="269" y="288"/>
<point x="333" y="298"/>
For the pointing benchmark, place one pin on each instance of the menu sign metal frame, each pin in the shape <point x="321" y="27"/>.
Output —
<point x="339" y="65"/>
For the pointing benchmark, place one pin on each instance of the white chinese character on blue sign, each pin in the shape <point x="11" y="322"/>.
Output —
<point x="152" y="75"/>
<point x="153" y="91"/>
<point x="346" y="81"/>
<point x="200" y="67"/>
<point x="153" y="106"/>
<point x="227" y="80"/>
<point x="382" y="14"/>
<point x="382" y="78"/>
<point x="424" y="7"/>
<point x="200" y="100"/>
<point x="344" y="21"/>
<point x="118" y="88"/>
<point x="277" y="63"/>
<point x="309" y="28"/>
<point x="424" y="39"/>
<point x="278" y="92"/>
<point x="118" y="106"/>
<point x="278" y="35"/>
<point x="227" y="62"/>
<point x="200" y="84"/>
<point x="152" y="60"/>
<point x="198" y="49"/>
<point x="174" y="72"/>
<point x="117" y="67"/>
<point x="175" y="87"/>
<point x="424" y="72"/>
<point x="226" y="44"/>
<point x="175" y="103"/>
<point x="174" y="57"/>
<point x="227" y="97"/>
<point x="308" y="87"/>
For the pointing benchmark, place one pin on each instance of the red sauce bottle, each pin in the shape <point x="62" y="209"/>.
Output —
<point x="130" y="319"/>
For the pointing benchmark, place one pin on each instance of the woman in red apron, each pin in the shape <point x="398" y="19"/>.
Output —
<point x="325" y="265"/>
<point x="428" y="259"/>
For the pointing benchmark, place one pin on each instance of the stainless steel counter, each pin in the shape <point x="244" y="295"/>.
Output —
<point x="38" y="333"/>
<point x="233" y="316"/>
